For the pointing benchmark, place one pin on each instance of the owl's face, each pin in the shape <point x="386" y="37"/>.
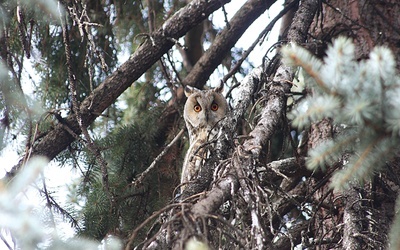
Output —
<point x="204" y="108"/>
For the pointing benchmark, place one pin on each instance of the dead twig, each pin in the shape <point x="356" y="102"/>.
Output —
<point x="143" y="175"/>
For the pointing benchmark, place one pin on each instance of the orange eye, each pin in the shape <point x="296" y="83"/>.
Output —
<point x="197" y="108"/>
<point x="214" y="107"/>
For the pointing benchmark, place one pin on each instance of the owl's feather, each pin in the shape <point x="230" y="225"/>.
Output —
<point x="202" y="112"/>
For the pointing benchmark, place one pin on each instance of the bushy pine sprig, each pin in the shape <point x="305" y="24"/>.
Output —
<point x="361" y="96"/>
<point x="128" y="151"/>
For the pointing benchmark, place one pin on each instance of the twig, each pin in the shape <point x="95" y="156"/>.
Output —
<point x="168" y="77"/>
<point x="75" y="107"/>
<point x="83" y="22"/>
<point x="241" y="166"/>
<point x="49" y="205"/>
<point x="144" y="223"/>
<point x="5" y="242"/>
<point x="225" y="16"/>
<point x="143" y="175"/>
<point x="260" y="37"/>
<point x="52" y="203"/>
<point x="22" y="29"/>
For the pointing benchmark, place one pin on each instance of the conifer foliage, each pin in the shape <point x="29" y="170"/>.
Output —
<point x="361" y="98"/>
<point x="128" y="150"/>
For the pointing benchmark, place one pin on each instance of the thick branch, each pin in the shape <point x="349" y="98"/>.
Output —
<point x="274" y="110"/>
<point x="114" y="85"/>
<point x="352" y="219"/>
<point x="285" y="168"/>
<point x="225" y="40"/>
<point x="214" y="199"/>
<point x="295" y="234"/>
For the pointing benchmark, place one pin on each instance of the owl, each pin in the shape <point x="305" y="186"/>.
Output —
<point x="202" y="112"/>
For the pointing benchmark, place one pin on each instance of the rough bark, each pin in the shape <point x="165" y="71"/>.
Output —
<point x="370" y="23"/>
<point x="353" y="217"/>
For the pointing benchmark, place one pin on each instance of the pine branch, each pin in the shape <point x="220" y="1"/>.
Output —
<point x="329" y="151"/>
<point x="340" y="179"/>
<point x="361" y="96"/>
<point x="298" y="56"/>
<point x="315" y="109"/>
<point x="366" y="163"/>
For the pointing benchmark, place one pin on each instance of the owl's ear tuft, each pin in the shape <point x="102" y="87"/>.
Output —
<point x="219" y="88"/>
<point x="190" y="90"/>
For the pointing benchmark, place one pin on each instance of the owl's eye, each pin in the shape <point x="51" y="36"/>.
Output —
<point x="197" y="108"/>
<point x="214" y="107"/>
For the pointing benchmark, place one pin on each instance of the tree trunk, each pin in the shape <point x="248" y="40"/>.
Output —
<point x="369" y="23"/>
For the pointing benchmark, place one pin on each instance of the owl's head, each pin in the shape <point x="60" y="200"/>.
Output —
<point x="204" y="108"/>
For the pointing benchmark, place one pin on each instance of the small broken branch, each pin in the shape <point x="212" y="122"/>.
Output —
<point x="143" y="175"/>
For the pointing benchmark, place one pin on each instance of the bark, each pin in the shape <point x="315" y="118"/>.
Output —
<point x="287" y="168"/>
<point x="353" y="217"/>
<point x="370" y="23"/>
<point x="156" y="44"/>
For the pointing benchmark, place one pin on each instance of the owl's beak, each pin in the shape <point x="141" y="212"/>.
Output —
<point x="206" y="116"/>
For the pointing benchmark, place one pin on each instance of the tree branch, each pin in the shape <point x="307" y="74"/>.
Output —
<point x="273" y="113"/>
<point x="143" y="175"/>
<point x="57" y="139"/>
<point x="352" y="218"/>
<point x="225" y="40"/>
<point x="259" y="39"/>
